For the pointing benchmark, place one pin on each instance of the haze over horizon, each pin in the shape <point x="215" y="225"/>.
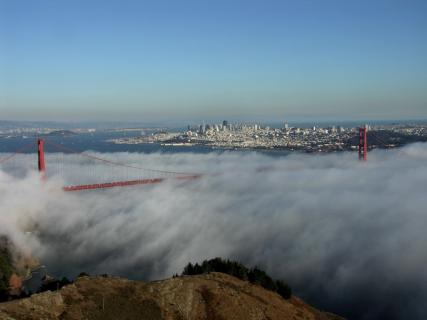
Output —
<point x="126" y="60"/>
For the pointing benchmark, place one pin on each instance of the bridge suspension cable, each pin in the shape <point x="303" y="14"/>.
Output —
<point x="120" y="164"/>
<point x="19" y="151"/>
<point x="117" y="183"/>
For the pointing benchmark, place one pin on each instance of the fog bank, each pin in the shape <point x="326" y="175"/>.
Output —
<point x="348" y="236"/>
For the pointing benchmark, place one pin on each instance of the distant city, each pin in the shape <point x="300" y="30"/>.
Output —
<point x="235" y="135"/>
<point x="227" y="135"/>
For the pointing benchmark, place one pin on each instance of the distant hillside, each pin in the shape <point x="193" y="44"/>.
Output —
<point x="387" y="138"/>
<point x="66" y="133"/>
<point x="207" y="296"/>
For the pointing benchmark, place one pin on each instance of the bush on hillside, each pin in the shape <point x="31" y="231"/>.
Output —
<point x="54" y="284"/>
<point x="6" y="270"/>
<point x="283" y="289"/>
<point x="238" y="270"/>
<point x="83" y="274"/>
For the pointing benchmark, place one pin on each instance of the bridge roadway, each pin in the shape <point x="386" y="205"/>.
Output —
<point x="124" y="183"/>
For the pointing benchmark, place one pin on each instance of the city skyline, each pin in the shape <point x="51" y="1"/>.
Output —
<point x="146" y="60"/>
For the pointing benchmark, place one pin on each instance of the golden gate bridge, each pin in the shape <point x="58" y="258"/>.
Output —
<point x="135" y="175"/>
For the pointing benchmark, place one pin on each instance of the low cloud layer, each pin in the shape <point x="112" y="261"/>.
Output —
<point x="350" y="237"/>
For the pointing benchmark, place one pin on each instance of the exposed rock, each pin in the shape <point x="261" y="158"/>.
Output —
<point x="15" y="284"/>
<point x="208" y="296"/>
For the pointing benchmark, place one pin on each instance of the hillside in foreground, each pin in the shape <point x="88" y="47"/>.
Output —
<point x="208" y="296"/>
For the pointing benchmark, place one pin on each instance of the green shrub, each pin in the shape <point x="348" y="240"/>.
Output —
<point x="83" y="274"/>
<point x="238" y="270"/>
<point x="6" y="270"/>
<point x="261" y="278"/>
<point x="283" y="289"/>
<point x="53" y="284"/>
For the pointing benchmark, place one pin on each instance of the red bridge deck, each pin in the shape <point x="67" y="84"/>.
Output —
<point x="123" y="183"/>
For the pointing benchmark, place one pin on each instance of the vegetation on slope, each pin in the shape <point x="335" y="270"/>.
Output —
<point x="6" y="270"/>
<point x="238" y="270"/>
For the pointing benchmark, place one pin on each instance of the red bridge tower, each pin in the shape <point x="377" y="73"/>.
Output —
<point x="363" y="143"/>
<point x="42" y="165"/>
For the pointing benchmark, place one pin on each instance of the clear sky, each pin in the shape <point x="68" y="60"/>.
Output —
<point x="142" y="60"/>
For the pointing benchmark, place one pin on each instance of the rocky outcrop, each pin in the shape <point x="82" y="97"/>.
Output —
<point x="213" y="296"/>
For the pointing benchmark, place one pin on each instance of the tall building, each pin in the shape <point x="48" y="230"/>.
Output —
<point x="202" y="129"/>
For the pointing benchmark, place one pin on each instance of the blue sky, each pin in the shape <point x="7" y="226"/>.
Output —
<point x="144" y="60"/>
